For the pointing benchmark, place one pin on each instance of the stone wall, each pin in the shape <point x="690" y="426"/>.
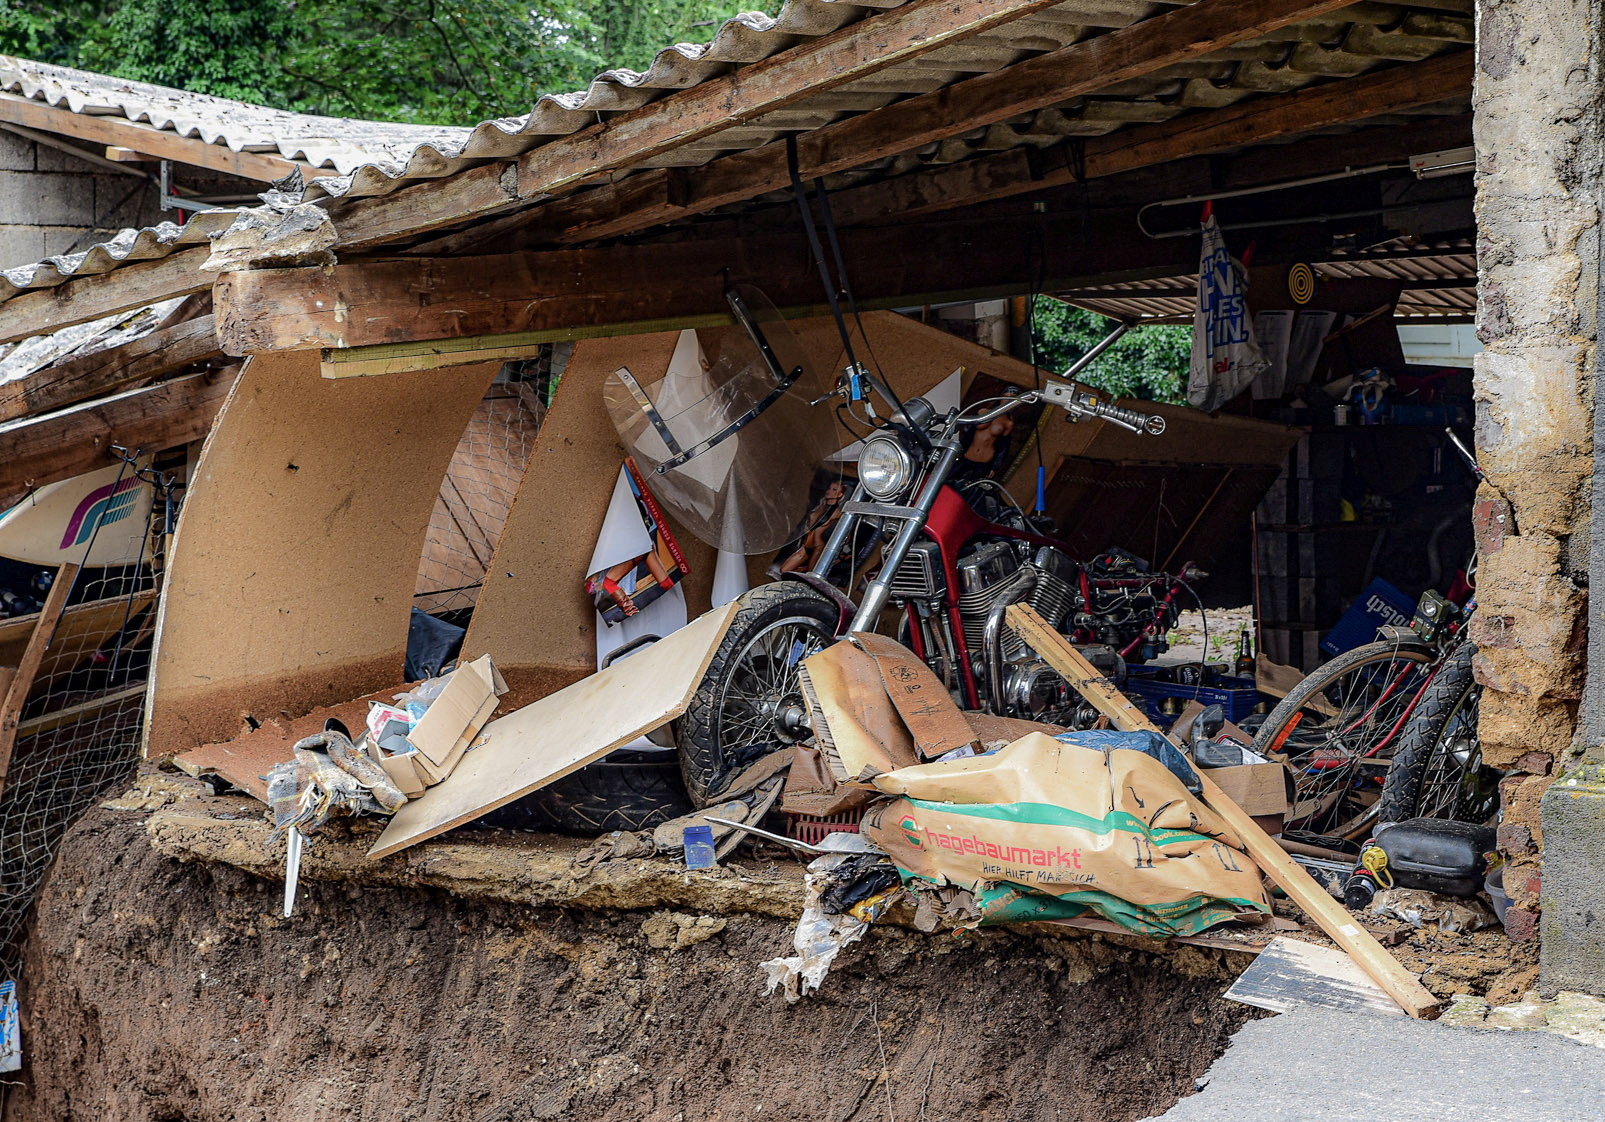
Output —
<point x="1537" y="102"/>
<point x="49" y="201"/>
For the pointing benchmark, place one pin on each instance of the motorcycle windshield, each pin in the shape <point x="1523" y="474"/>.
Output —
<point x="729" y="447"/>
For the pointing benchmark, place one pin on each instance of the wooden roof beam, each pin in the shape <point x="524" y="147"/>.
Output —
<point x="41" y="450"/>
<point x="611" y="289"/>
<point x="148" y="140"/>
<point x="163" y="351"/>
<point x="1085" y="67"/>
<point x="83" y="298"/>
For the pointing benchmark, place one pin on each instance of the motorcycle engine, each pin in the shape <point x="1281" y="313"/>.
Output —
<point x="1030" y="687"/>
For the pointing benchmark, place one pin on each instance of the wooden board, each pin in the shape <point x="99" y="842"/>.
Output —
<point x="78" y="439"/>
<point x="33" y="656"/>
<point x="297" y="550"/>
<point x="540" y="743"/>
<point x="1291" y="974"/>
<point x="1339" y="925"/>
<point x="82" y="627"/>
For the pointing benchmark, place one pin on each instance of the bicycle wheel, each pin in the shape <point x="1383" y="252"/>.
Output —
<point x="1437" y="771"/>
<point x="1348" y="711"/>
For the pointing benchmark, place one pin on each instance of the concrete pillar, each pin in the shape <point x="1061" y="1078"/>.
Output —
<point x="1538" y="111"/>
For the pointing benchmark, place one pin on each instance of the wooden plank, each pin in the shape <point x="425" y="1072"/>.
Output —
<point x="80" y="299"/>
<point x="561" y="733"/>
<point x="886" y="39"/>
<point x="83" y="627"/>
<point x="163" y="351"/>
<point x="1040" y="81"/>
<point x="148" y="141"/>
<point x="1254" y="121"/>
<point x="57" y="718"/>
<point x="32" y="656"/>
<point x="1338" y="924"/>
<point x="60" y="445"/>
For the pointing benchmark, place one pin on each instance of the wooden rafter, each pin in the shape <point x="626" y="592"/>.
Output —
<point x="15" y="693"/>
<point x="149" y="140"/>
<point x="1081" y="68"/>
<point x="641" y="200"/>
<point x="81" y="299"/>
<point x="41" y="450"/>
<point x="163" y="351"/>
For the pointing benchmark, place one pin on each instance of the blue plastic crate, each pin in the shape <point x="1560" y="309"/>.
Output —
<point x="1235" y="695"/>
<point x="1379" y="605"/>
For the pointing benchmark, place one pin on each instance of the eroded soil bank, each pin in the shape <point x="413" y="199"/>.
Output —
<point x="163" y="991"/>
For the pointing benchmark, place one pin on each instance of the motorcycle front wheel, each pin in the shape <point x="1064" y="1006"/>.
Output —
<point x="749" y="703"/>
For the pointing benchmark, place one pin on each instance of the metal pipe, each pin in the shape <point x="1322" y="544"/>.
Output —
<point x="1021" y="585"/>
<point x="1102" y="345"/>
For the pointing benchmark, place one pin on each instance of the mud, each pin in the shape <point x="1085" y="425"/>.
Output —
<point x="165" y="991"/>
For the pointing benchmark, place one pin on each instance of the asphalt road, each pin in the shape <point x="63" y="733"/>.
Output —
<point x="1317" y="1065"/>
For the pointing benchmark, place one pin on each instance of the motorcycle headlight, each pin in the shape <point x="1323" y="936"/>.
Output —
<point x="884" y="467"/>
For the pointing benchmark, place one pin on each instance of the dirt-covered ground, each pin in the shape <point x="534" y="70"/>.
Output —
<point x="167" y="991"/>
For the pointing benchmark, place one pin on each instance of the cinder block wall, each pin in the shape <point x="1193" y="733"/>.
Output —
<point x="50" y="201"/>
<point x="1538" y="106"/>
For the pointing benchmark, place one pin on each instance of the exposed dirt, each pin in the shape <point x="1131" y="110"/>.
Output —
<point x="162" y="990"/>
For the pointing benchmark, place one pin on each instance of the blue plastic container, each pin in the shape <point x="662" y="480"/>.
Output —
<point x="699" y="847"/>
<point x="1237" y="696"/>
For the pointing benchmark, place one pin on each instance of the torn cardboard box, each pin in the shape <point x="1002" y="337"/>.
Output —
<point x="447" y="728"/>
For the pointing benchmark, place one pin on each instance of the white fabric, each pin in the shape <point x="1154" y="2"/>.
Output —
<point x="1226" y="356"/>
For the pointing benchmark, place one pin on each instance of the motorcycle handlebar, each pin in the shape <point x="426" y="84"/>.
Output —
<point x="1080" y="403"/>
<point x="1151" y="423"/>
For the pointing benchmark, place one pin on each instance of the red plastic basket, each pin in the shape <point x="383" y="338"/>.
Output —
<point x="813" y="829"/>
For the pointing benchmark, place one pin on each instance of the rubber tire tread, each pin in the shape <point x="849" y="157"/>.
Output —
<point x="701" y="765"/>
<point x="1317" y="680"/>
<point x="627" y="790"/>
<point x="1401" y="790"/>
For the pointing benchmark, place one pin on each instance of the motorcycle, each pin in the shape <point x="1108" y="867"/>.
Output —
<point x="952" y="571"/>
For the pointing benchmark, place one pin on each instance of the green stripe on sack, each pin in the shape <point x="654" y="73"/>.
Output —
<point x="1047" y="814"/>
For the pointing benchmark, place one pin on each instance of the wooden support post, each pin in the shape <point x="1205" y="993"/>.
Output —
<point x="1372" y="957"/>
<point x="32" y="657"/>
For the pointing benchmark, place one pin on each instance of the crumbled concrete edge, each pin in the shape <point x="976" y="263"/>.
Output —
<point x="1576" y="1016"/>
<point x="482" y="870"/>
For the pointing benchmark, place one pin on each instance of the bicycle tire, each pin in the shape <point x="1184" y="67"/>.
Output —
<point x="1317" y="744"/>
<point x="1408" y="791"/>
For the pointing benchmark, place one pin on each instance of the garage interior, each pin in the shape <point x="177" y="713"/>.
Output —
<point x="413" y="352"/>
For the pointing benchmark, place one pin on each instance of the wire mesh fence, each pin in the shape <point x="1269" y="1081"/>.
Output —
<point x="86" y="652"/>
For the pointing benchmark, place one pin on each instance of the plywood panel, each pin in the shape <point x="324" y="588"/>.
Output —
<point x="543" y="742"/>
<point x="533" y="613"/>
<point x="532" y="616"/>
<point x="298" y="545"/>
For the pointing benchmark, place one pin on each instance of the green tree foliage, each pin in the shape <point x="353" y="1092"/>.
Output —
<point x="1148" y="362"/>
<point x="455" y="62"/>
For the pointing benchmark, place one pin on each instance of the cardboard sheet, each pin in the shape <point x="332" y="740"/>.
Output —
<point x="540" y="743"/>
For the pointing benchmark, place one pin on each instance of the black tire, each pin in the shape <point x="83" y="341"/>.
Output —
<point x="723" y="730"/>
<point x="1437" y="770"/>
<point x="1326" y="748"/>
<point x="628" y="790"/>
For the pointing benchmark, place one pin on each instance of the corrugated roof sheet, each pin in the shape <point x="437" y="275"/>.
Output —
<point x="1439" y="278"/>
<point x="375" y="158"/>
